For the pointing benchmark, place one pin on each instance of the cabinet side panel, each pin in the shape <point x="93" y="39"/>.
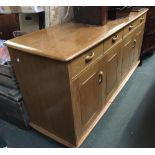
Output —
<point x="45" y="87"/>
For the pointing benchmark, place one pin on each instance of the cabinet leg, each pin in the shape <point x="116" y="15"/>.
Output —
<point x="141" y="60"/>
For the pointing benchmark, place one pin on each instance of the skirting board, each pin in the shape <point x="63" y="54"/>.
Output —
<point x="86" y="133"/>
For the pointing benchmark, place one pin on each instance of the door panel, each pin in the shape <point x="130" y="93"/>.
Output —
<point x="127" y="54"/>
<point x="89" y="90"/>
<point x="89" y="96"/>
<point x="111" y="64"/>
<point x="137" y="43"/>
<point x="102" y="80"/>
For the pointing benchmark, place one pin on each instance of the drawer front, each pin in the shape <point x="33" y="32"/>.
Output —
<point x="141" y="19"/>
<point x="80" y="63"/>
<point x="113" y="40"/>
<point x="133" y="25"/>
<point x="129" y="28"/>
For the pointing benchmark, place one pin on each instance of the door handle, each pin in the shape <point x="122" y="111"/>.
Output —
<point x="134" y="43"/>
<point x="100" y="77"/>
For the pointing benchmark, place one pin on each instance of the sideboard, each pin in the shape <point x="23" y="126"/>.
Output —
<point x="69" y="74"/>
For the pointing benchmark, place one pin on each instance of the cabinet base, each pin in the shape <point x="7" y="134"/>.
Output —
<point x="86" y="133"/>
<point x="51" y="135"/>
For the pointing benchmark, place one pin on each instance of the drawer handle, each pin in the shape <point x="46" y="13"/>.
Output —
<point x="1" y="33"/>
<point x="141" y="19"/>
<point x="134" y="43"/>
<point x="100" y="77"/>
<point x="89" y="57"/>
<point x="114" y="38"/>
<point x="131" y="27"/>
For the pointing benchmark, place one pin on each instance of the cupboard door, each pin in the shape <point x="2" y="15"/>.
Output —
<point x="113" y="68"/>
<point x="111" y="65"/>
<point x="126" y="54"/>
<point x="137" y="43"/>
<point x="119" y="68"/>
<point x="103" y="85"/>
<point x="88" y="89"/>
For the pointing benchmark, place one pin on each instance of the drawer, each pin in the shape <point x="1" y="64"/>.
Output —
<point x="133" y="25"/>
<point x="80" y="63"/>
<point x="141" y="19"/>
<point x="129" y="28"/>
<point x="113" y="40"/>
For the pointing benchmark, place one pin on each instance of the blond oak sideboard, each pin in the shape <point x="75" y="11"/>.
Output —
<point x="70" y="74"/>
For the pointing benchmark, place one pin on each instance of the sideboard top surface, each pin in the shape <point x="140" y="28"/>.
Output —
<point x="67" y="41"/>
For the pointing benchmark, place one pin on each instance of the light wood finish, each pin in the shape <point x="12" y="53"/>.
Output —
<point x="112" y="68"/>
<point x="99" y="116"/>
<point x="88" y="95"/>
<point x="137" y="41"/>
<point x="132" y="46"/>
<point x="113" y="40"/>
<point x="107" y="105"/>
<point x="65" y="99"/>
<point x="49" y="106"/>
<point x="142" y="19"/>
<point x="67" y="41"/>
<point x="130" y="28"/>
<point x="126" y="53"/>
<point x="83" y="61"/>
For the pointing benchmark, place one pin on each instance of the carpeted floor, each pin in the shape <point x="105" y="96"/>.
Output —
<point x="129" y="122"/>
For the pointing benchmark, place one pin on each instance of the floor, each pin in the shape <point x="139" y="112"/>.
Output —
<point x="129" y="122"/>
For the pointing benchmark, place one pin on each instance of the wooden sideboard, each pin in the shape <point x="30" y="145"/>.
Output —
<point x="70" y="74"/>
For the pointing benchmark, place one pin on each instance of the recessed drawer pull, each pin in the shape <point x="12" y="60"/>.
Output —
<point x="141" y="19"/>
<point x="131" y="27"/>
<point x="100" y="77"/>
<point x="114" y="38"/>
<point x="134" y="43"/>
<point x="89" y="57"/>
